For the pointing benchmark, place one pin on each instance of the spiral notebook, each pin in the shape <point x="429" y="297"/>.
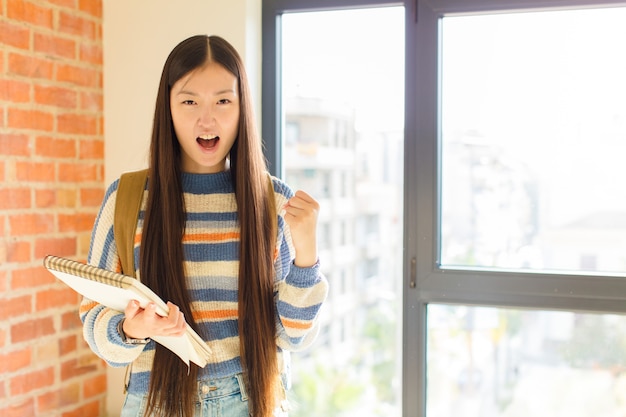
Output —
<point x="116" y="291"/>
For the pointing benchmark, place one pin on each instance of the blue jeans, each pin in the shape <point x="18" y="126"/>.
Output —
<point x="224" y="397"/>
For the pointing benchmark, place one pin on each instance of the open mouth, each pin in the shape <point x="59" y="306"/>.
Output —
<point x="207" y="142"/>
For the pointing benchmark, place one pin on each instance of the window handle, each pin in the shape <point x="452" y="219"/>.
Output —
<point x="413" y="277"/>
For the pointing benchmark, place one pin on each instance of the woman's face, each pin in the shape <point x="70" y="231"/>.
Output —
<point x="205" y="112"/>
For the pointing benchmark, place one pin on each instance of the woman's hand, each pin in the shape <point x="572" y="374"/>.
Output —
<point x="301" y="215"/>
<point x="140" y="323"/>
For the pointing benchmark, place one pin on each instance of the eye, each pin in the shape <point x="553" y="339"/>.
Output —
<point x="188" y="102"/>
<point x="223" y="101"/>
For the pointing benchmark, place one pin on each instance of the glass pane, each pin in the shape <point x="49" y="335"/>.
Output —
<point x="491" y="362"/>
<point x="533" y="141"/>
<point x="343" y="142"/>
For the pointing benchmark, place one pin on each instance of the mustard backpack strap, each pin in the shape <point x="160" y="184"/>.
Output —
<point x="127" y="205"/>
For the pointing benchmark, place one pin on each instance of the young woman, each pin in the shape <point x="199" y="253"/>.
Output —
<point x="205" y="244"/>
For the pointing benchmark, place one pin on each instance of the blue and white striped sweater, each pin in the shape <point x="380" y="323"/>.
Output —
<point x="211" y="249"/>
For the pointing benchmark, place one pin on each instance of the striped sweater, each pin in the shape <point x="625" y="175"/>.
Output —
<point x="211" y="244"/>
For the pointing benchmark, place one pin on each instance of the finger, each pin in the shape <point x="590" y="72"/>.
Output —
<point x="294" y="217"/>
<point x="181" y="326"/>
<point x="173" y="309"/>
<point x="304" y="196"/>
<point x="174" y="324"/>
<point x="293" y="211"/>
<point x="171" y="320"/>
<point x="138" y="320"/>
<point x="298" y="206"/>
<point x="302" y="213"/>
<point x="132" y="309"/>
<point x="151" y="311"/>
<point x="303" y="203"/>
<point x="180" y="320"/>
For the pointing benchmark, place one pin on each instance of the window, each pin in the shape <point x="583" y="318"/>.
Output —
<point x="530" y="122"/>
<point x="341" y="111"/>
<point x="323" y="236"/>
<point x="292" y="133"/>
<point x="490" y="362"/>
<point x="532" y="133"/>
<point x="513" y="281"/>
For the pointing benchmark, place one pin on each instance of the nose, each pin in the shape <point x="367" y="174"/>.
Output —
<point x="206" y="116"/>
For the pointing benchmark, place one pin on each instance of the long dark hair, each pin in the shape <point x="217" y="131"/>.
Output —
<point x="172" y="388"/>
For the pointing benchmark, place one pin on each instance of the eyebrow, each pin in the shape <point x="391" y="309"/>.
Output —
<point x="191" y="93"/>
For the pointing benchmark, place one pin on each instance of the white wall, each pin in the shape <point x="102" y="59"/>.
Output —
<point x="137" y="36"/>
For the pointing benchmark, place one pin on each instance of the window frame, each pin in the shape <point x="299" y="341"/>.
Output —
<point x="424" y="280"/>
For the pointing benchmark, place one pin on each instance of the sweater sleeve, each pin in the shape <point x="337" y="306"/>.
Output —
<point x="99" y="322"/>
<point x="299" y="292"/>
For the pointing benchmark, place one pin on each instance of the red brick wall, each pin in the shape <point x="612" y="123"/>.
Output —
<point x="51" y="183"/>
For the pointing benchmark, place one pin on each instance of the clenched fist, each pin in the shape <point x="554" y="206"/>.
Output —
<point x="301" y="212"/>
